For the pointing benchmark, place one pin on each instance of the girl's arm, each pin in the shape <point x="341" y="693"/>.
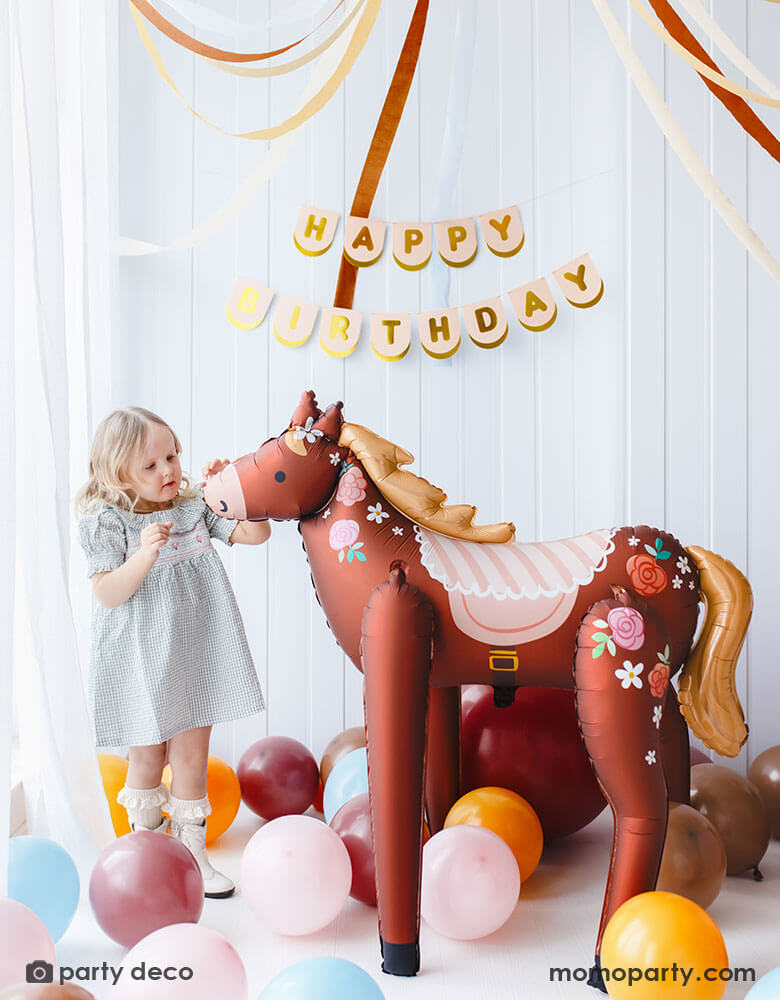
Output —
<point x="116" y="586"/>
<point x="251" y="532"/>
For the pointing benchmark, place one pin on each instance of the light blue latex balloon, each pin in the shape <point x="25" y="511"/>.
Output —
<point x="322" y="979"/>
<point x="347" y="779"/>
<point x="767" y="988"/>
<point x="42" y="875"/>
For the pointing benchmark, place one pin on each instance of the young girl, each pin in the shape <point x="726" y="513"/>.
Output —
<point x="169" y="657"/>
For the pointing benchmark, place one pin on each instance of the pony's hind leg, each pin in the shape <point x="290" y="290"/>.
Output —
<point x="442" y="766"/>
<point x="675" y="749"/>
<point x="396" y="653"/>
<point x="619" y="693"/>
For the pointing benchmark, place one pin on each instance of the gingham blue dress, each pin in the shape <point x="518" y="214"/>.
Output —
<point x="174" y="656"/>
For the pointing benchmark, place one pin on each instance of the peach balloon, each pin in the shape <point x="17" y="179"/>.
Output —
<point x="224" y="794"/>
<point x="470" y="882"/>
<point x="23" y="940"/>
<point x="509" y="816"/>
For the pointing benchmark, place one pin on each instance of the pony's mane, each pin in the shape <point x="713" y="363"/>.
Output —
<point x="414" y="496"/>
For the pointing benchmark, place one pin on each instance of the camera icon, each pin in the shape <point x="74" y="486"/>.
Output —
<point x="40" y="972"/>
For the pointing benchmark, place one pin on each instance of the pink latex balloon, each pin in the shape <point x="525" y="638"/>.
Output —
<point x="51" y="991"/>
<point x="296" y="874"/>
<point x="216" y="966"/>
<point x="23" y="939"/>
<point x="470" y="882"/>
<point x="144" y="881"/>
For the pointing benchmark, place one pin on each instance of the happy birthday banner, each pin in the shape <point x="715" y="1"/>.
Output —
<point x="439" y="331"/>
<point x="364" y="239"/>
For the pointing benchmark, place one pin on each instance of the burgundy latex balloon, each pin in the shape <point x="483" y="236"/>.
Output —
<point x="533" y="748"/>
<point x="51" y="991"/>
<point x="353" y="824"/>
<point x="765" y="774"/>
<point x="278" y="777"/>
<point x="697" y="757"/>
<point x="142" y="882"/>
<point x="735" y="808"/>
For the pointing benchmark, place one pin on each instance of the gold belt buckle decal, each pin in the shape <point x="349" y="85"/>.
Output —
<point x="503" y="659"/>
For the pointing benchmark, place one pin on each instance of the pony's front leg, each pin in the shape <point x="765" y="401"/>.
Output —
<point x="620" y="688"/>
<point x="396" y="652"/>
<point x="442" y="768"/>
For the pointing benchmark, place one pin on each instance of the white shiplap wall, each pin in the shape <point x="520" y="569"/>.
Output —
<point x="658" y="405"/>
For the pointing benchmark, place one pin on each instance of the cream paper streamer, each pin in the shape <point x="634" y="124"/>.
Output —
<point x="241" y="69"/>
<point x="701" y="67"/>
<point x="317" y="103"/>
<point x="253" y="183"/>
<point x="732" y="52"/>
<point x="682" y="145"/>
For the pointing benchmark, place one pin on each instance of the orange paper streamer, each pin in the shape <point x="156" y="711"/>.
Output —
<point x="382" y="142"/>
<point x="200" y="48"/>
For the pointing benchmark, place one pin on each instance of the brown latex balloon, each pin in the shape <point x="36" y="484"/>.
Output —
<point x="51" y="991"/>
<point x="340" y="746"/>
<point x="142" y="882"/>
<point x="765" y="774"/>
<point x="694" y="859"/>
<point x="735" y="808"/>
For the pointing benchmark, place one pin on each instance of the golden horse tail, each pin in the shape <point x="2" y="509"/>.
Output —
<point x="708" y="698"/>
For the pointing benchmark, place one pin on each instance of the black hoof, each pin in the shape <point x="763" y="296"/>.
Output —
<point x="595" y="978"/>
<point x="400" y="959"/>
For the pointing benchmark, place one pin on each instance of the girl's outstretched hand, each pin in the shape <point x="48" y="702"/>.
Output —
<point x="153" y="537"/>
<point x="213" y="468"/>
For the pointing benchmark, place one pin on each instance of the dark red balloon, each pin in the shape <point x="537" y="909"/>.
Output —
<point x="697" y="757"/>
<point x="278" y="777"/>
<point x="353" y="824"/>
<point x="533" y="748"/>
<point x="142" y="882"/>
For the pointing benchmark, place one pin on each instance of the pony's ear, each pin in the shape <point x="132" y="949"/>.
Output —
<point x="331" y="420"/>
<point x="306" y="408"/>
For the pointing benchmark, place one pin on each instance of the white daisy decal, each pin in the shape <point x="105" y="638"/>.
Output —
<point x="633" y="541"/>
<point x="326" y="515"/>
<point x="629" y="674"/>
<point x="307" y="432"/>
<point x="657" y="713"/>
<point x="397" y="530"/>
<point x="650" y="756"/>
<point x="375" y="513"/>
<point x="677" y="582"/>
<point x="682" y="565"/>
<point x="334" y="458"/>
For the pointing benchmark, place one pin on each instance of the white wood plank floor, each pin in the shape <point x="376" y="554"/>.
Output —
<point x="554" y="925"/>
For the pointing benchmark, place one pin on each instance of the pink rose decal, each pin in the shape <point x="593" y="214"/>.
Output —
<point x="343" y="538"/>
<point x="352" y="488"/>
<point x="628" y="627"/>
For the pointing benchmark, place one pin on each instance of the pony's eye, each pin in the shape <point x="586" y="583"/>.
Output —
<point x="222" y="506"/>
<point x="280" y="476"/>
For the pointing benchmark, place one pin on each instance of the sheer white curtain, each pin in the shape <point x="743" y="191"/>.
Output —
<point x="62" y="127"/>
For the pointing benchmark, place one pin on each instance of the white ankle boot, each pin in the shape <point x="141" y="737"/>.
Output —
<point x="188" y="824"/>
<point x="144" y="807"/>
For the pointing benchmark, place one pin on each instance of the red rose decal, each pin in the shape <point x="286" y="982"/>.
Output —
<point x="658" y="678"/>
<point x="647" y="577"/>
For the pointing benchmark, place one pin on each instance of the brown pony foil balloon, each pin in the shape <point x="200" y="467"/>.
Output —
<point x="423" y="600"/>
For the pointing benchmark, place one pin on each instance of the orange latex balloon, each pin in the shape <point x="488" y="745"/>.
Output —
<point x="657" y="931"/>
<point x="509" y="816"/>
<point x="113" y="770"/>
<point x="224" y="794"/>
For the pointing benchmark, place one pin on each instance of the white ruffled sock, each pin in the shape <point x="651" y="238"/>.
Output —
<point x="144" y="805"/>
<point x="188" y="810"/>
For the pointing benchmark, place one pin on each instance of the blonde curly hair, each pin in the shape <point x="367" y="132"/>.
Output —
<point x="120" y="436"/>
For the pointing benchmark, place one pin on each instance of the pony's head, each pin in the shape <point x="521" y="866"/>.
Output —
<point x="289" y="476"/>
